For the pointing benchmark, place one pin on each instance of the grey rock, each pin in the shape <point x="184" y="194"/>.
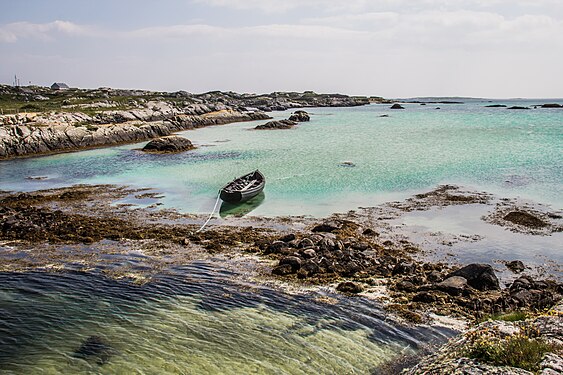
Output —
<point x="171" y="144"/>
<point x="479" y="276"/>
<point x="454" y="285"/>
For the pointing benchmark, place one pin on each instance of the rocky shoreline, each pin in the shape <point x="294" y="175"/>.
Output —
<point x="48" y="230"/>
<point x="38" y="120"/>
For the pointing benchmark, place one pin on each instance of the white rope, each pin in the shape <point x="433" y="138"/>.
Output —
<point x="212" y="212"/>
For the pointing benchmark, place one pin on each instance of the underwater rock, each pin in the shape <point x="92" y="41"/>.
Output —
<point x="169" y="145"/>
<point x="95" y="348"/>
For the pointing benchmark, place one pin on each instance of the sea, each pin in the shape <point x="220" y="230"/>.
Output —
<point x="201" y="318"/>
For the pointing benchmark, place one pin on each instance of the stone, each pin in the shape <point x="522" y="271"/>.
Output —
<point x="306" y="243"/>
<point x="300" y="116"/>
<point x="288" y="237"/>
<point x="404" y="268"/>
<point x="293" y="261"/>
<point x="525" y="219"/>
<point x="405" y="286"/>
<point x="518" y="107"/>
<point x="309" y="253"/>
<point x="282" y="270"/>
<point x="169" y="144"/>
<point x="349" y="287"/>
<point x="552" y="105"/>
<point x="397" y="106"/>
<point x="327" y="226"/>
<point x="95" y="348"/>
<point x="425" y="297"/>
<point x="326" y="244"/>
<point x="454" y="285"/>
<point x="273" y="125"/>
<point x="479" y="276"/>
<point x="275" y="247"/>
<point x="516" y="266"/>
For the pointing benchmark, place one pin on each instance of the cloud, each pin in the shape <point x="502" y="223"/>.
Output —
<point x="12" y="32"/>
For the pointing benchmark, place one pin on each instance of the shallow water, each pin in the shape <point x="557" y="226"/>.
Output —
<point x="194" y="320"/>
<point x="508" y="152"/>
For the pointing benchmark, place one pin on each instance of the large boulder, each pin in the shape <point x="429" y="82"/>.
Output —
<point x="169" y="145"/>
<point x="397" y="106"/>
<point x="300" y="116"/>
<point x="479" y="276"/>
<point x="272" y="125"/>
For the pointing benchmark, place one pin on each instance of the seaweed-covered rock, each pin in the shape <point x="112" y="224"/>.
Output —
<point x="349" y="287"/>
<point x="525" y="219"/>
<point x="169" y="144"/>
<point x="300" y="116"/>
<point x="516" y="266"/>
<point x="273" y="125"/>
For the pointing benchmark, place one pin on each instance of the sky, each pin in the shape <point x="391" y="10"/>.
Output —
<point x="389" y="48"/>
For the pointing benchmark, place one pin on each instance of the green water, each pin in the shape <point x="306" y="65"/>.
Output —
<point x="196" y="320"/>
<point x="509" y="152"/>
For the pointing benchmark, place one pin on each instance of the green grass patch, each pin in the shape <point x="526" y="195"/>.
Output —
<point x="514" y="316"/>
<point x="515" y="351"/>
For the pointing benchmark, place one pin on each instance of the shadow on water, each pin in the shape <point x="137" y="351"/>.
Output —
<point x="241" y="209"/>
<point x="37" y="308"/>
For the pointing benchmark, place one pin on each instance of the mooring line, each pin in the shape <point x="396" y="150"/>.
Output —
<point x="212" y="212"/>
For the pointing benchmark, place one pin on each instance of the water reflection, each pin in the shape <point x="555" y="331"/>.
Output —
<point x="241" y="209"/>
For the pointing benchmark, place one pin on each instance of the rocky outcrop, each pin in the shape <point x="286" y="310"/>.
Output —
<point x="273" y="125"/>
<point x="552" y="105"/>
<point x="300" y="116"/>
<point x="397" y="106"/>
<point x="23" y="140"/>
<point x="170" y="144"/>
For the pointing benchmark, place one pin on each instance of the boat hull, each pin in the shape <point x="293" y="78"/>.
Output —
<point x="230" y="195"/>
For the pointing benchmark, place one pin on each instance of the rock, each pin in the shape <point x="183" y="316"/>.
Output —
<point x="300" y="116"/>
<point x="425" y="297"/>
<point x="95" y="348"/>
<point x="479" y="276"/>
<point x="383" y="115"/>
<point x="294" y="262"/>
<point x="275" y="247"/>
<point x="288" y="237"/>
<point x="309" y="253"/>
<point x="273" y="125"/>
<point x="552" y="362"/>
<point x="327" y="226"/>
<point x="169" y="145"/>
<point x="349" y="164"/>
<point x="349" y="287"/>
<point x="434" y="276"/>
<point x="326" y="244"/>
<point x="370" y="232"/>
<point x="404" y="268"/>
<point x="454" y="285"/>
<point x="515" y="266"/>
<point x="525" y="219"/>
<point x="397" y="106"/>
<point x="306" y="243"/>
<point x="518" y="107"/>
<point x="406" y="286"/>
<point x="496" y="106"/>
<point x="282" y="270"/>
<point x="552" y="105"/>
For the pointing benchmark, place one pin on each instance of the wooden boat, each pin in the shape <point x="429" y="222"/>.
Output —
<point x="243" y="188"/>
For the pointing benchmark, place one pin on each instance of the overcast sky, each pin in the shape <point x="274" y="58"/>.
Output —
<point x="391" y="48"/>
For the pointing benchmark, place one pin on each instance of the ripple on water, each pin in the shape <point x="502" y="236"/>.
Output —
<point x="195" y="320"/>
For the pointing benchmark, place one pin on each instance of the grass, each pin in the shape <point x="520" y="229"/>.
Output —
<point x="514" y="316"/>
<point x="515" y="351"/>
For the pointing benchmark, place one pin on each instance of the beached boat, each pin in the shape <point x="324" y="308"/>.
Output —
<point x="243" y="188"/>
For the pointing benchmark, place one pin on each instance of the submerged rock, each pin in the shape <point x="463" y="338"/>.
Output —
<point x="95" y="348"/>
<point x="169" y="144"/>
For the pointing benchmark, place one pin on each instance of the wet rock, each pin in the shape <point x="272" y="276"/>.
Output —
<point x="300" y="116"/>
<point x="434" y="276"/>
<point x="397" y="106"/>
<point x="169" y="144"/>
<point x="273" y="125"/>
<point x="405" y="286"/>
<point x="349" y="287"/>
<point x="525" y="218"/>
<point x="518" y="107"/>
<point x="275" y="247"/>
<point x="454" y="285"/>
<point x="311" y="267"/>
<point x="292" y="261"/>
<point x="309" y="253"/>
<point x="479" y="276"/>
<point x="425" y="297"/>
<point x="95" y="348"/>
<point x="326" y="244"/>
<point x="282" y="270"/>
<point x="404" y="268"/>
<point x="370" y="233"/>
<point x="288" y="237"/>
<point x="515" y="266"/>
<point x="306" y="243"/>
<point x="327" y="226"/>
<point x="496" y="106"/>
<point x="552" y="105"/>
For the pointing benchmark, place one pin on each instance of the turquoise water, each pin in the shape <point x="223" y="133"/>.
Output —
<point x="192" y="320"/>
<point x="508" y="152"/>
